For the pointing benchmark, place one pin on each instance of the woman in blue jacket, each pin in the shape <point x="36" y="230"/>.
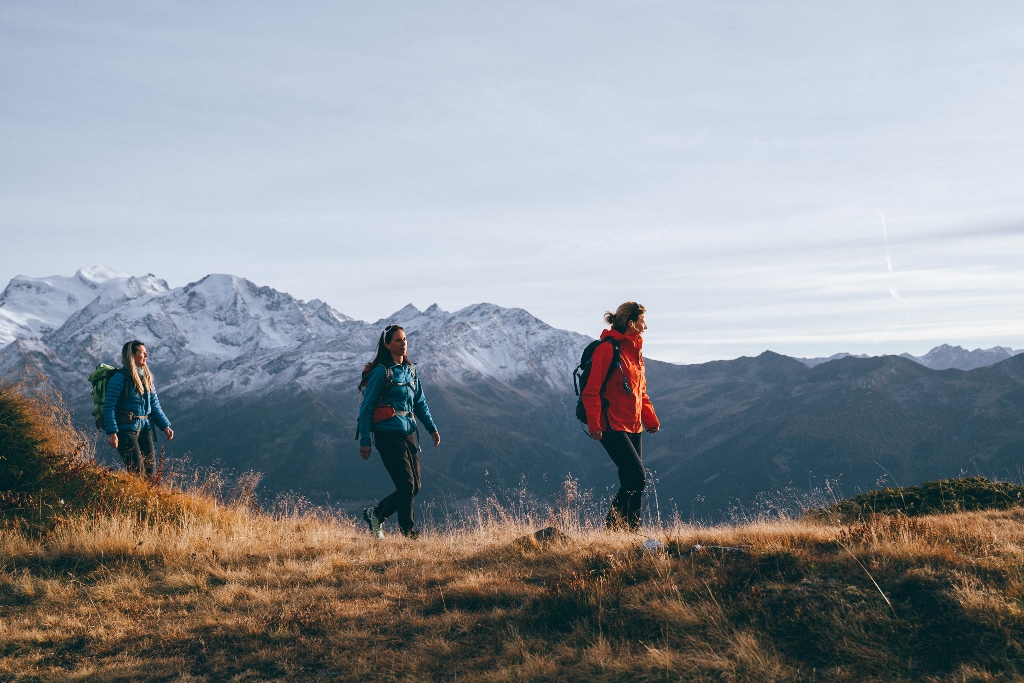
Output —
<point x="392" y="401"/>
<point x="129" y="409"/>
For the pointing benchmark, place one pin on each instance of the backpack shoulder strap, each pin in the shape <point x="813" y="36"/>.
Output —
<point x="128" y="381"/>
<point x="412" y="378"/>
<point x="616" y="363"/>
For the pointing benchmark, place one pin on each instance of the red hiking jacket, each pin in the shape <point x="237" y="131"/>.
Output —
<point x="626" y="412"/>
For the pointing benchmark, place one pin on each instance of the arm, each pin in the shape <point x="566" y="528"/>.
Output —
<point x="374" y="383"/>
<point x="421" y="410"/>
<point x="591" y="395"/>
<point x="115" y="385"/>
<point x="158" y="414"/>
<point x="647" y="414"/>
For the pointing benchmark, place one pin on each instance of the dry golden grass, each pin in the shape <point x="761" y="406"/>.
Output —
<point x="133" y="582"/>
<point x="232" y="595"/>
<point x="38" y="443"/>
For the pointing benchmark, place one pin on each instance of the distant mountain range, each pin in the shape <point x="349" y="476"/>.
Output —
<point x="256" y="379"/>
<point x="944" y="357"/>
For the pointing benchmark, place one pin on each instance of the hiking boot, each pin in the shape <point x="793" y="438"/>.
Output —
<point x="374" y="523"/>
<point x="412" y="534"/>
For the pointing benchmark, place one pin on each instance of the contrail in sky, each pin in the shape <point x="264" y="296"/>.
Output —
<point x="885" y="235"/>
<point x="888" y="261"/>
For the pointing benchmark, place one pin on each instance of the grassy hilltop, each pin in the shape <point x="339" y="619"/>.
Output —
<point x="125" y="582"/>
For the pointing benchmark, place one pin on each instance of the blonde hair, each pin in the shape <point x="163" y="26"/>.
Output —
<point x="143" y="383"/>
<point x="624" y="315"/>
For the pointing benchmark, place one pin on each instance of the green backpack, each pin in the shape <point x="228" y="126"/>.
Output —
<point x="99" y="379"/>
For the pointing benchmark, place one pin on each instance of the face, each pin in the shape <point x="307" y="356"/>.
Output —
<point x="140" y="356"/>
<point x="638" y="326"/>
<point x="398" y="344"/>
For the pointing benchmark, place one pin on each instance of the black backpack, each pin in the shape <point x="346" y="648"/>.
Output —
<point x="581" y="375"/>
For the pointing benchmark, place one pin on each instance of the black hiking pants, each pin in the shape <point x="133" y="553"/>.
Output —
<point x="402" y="459"/>
<point x="138" y="451"/>
<point x="625" y="451"/>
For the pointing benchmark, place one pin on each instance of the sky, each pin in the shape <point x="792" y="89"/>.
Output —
<point x="805" y="177"/>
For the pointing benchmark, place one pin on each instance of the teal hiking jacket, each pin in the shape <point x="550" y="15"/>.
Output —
<point x="405" y="396"/>
<point x="147" y="404"/>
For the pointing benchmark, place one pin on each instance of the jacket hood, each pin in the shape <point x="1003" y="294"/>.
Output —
<point x="611" y="333"/>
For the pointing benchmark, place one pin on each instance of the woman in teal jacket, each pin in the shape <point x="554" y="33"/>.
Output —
<point x="129" y="411"/>
<point x="392" y="402"/>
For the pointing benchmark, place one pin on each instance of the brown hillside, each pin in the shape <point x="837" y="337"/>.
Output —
<point x="114" y="598"/>
<point x="128" y="582"/>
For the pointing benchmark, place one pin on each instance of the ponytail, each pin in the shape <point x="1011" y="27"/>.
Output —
<point x="624" y="315"/>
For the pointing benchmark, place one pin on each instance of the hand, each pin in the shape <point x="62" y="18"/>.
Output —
<point x="652" y="430"/>
<point x="364" y="452"/>
<point x="170" y="433"/>
<point x="436" y="437"/>
<point x="596" y="436"/>
<point x="112" y="440"/>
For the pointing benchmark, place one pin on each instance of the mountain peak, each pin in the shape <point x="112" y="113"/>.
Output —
<point x="322" y="309"/>
<point x="99" y="274"/>
<point x="219" y="280"/>
<point x="945" y="357"/>
<point x="401" y="317"/>
<point x="408" y="309"/>
<point x="947" y="347"/>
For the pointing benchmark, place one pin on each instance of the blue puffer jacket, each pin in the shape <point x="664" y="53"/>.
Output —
<point x="146" y="404"/>
<point x="405" y="395"/>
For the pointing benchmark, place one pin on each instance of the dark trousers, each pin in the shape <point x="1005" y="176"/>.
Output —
<point x="626" y="452"/>
<point x="138" y="451"/>
<point x="402" y="460"/>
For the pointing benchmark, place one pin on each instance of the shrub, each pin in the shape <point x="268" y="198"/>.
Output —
<point x="965" y="494"/>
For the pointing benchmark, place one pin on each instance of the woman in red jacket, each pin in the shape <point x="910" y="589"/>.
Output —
<point x="626" y="409"/>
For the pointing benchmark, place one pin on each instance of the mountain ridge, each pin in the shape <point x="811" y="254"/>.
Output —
<point x="254" y="378"/>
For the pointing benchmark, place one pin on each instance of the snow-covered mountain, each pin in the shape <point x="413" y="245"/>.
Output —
<point x="224" y="336"/>
<point x="32" y="307"/>
<point x="251" y="372"/>
<point x="214" y="326"/>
